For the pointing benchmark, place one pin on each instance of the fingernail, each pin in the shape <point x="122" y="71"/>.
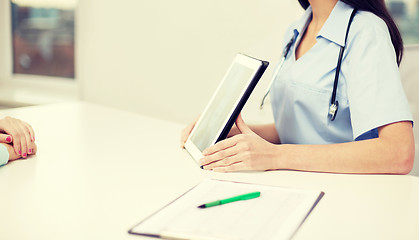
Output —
<point x="9" y="139"/>
<point x="24" y="155"/>
<point x="30" y="151"/>
<point x="20" y="152"/>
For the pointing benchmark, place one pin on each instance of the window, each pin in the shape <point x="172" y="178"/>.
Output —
<point x="406" y="15"/>
<point x="43" y="37"/>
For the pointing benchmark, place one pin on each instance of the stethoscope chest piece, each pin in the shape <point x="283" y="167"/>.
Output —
<point x="333" y="109"/>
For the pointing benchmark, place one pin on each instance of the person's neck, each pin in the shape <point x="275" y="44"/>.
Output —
<point x="321" y="11"/>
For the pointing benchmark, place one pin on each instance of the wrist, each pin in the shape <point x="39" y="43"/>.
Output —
<point x="283" y="156"/>
<point x="11" y="152"/>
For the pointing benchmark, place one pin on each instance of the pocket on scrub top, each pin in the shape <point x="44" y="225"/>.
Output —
<point x="311" y="106"/>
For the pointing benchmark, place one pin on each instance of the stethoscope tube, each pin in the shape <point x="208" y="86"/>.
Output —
<point x="334" y="104"/>
<point x="272" y="81"/>
<point x="284" y="56"/>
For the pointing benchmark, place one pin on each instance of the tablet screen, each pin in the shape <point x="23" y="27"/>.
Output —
<point x="222" y="105"/>
<point x="225" y="104"/>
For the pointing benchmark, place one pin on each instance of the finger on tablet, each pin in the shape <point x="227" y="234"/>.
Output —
<point x="186" y="132"/>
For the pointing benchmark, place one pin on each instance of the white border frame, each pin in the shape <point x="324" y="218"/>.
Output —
<point x="244" y="60"/>
<point x="22" y="90"/>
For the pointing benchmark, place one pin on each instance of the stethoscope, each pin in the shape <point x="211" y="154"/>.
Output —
<point x="334" y="104"/>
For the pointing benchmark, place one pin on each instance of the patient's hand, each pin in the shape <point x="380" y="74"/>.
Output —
<point x="18" y="133"/>
<point x="12" y="153"/>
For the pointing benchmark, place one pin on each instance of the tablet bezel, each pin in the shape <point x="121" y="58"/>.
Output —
<point x="258" y="67"/>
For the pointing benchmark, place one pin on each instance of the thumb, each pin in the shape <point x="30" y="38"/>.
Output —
<point x="4" y="138"/>
<point x="243" y="128"/>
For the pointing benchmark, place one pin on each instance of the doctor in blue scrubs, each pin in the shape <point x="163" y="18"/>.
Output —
<point x="372" y="129"/>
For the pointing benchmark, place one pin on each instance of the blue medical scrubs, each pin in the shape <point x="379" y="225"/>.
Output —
<point x="369" y="92"/>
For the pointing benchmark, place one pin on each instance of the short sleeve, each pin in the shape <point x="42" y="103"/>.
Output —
<point x="4" y="155"/>
<point x="374" y="89"/>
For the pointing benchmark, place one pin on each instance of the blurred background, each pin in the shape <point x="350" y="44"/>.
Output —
<point x="43" y="38"/>
<point x="159" y="58"/>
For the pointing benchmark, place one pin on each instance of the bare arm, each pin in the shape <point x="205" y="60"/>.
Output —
<point x="392" y="152"/>
<point x="266" y="131"/>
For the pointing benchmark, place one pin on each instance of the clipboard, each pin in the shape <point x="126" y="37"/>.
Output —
<point x="276" y="214"/>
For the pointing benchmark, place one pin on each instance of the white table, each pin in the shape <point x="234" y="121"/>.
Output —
<point x="99" y="171"/>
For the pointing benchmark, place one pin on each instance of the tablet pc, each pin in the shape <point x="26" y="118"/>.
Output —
<point x="226" y="104"/>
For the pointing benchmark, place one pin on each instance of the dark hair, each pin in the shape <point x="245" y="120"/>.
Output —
<point x="378" y="7"/>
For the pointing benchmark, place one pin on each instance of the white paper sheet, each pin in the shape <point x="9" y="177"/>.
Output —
<point x="276" y="214"/>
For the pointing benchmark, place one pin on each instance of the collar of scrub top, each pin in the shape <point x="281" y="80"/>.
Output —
<point x="330" y="30"/>
<point x="284" y="56"/>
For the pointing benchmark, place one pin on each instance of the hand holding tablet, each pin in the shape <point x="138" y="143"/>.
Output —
<point x="225" y="105"/>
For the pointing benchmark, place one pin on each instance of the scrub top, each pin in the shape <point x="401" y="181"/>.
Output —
<point x="369" y="91"/>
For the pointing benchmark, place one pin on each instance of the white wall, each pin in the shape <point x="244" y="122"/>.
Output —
<point x="166" y="58"/>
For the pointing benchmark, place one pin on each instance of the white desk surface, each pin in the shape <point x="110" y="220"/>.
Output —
<point x="99" y="171"/>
